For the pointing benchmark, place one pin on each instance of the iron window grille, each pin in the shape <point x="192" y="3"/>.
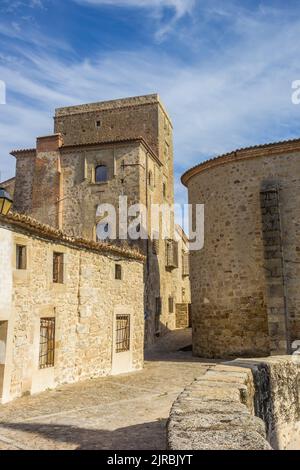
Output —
<point x="47" y="343"/>
<point x="58" y="268"/>
<point x="123" y="333"/>
<point x="21" y="257"/>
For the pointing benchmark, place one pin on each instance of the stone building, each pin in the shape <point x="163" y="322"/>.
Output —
<point x="245" y="281"/>
<point x="68" y="311"/>
<point x="99" y="152"/>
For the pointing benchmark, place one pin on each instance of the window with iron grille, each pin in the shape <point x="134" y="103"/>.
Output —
<point x="47" y="343"/>
<point x="185" y="264"/>
<point x="21" y="257"/>
<point x="58" y="268"/>
<point x="171" y="305"/>
<point x="118" y="272"/>
<point x="123" y="333"/>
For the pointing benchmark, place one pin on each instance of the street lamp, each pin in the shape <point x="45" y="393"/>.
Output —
<point x="5" y="202"/>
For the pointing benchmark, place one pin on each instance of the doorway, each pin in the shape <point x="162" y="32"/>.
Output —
<point x="122" y="360"/>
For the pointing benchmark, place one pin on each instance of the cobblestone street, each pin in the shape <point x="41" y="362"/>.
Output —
<point x="120" y="412"/>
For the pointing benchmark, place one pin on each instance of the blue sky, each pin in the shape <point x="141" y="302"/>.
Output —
<point x="224" y="69"/>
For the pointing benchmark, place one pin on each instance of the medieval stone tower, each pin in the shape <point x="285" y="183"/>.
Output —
<point x="97" y="153"/>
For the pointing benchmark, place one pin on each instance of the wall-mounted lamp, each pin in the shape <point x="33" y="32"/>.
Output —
<point x="5" y="202"/>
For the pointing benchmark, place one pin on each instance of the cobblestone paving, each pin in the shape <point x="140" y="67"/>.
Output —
<point x="121" y="412"/>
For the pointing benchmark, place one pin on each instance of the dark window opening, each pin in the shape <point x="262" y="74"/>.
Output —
<point x="58" y="268"/>
<point x="171" y="305"/>
<point x="47" y="343"/>
<point x="98" y="123"/>
<point x="118" y="272"/>
<point x="123" y="333"/>
<point x="101" y="174"/>
<point x="21" y="254"/>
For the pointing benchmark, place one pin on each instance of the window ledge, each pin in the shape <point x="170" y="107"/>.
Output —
<point x="102" y="183"/>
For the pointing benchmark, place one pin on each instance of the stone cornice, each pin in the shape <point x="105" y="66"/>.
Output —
<point x="277" y="148"/>
<point x="10" y="180"/>
<point x="112" y="105"/>
<point x="91" y="145"/>
<point x="23" y="152"/>
<point x="32" y="226"/>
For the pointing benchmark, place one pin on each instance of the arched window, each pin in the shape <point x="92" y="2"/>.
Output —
<point x="101" y="174"/>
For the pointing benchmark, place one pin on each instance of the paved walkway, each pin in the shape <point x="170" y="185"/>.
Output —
<point x="121" y="412"/>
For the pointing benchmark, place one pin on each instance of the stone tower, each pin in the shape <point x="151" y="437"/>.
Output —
<point x="245" y="281"/>
<point x="99" y="152"/>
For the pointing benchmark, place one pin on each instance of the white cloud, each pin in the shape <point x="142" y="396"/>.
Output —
<point x="156" y="8"/>
<point x="181" y="7"/>
<point x="218" y="103"/>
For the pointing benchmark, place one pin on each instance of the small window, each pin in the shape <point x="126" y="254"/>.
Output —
<point x="47" y="343"/>
<point x="118" y="272"/>
<point x="101" y="174"/>
<point x="164" y="190"/>
<point x="171" y="305"/>
<point x="98" y="124"/>
<point x="21" y="254"/>
<point x="123" y="333"/>
<point x="58" y="268"/>
<point x="150" y="178"/>
<point x="158" y="302"/>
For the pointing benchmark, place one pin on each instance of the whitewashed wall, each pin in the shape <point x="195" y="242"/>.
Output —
<point x="6" y="274"/>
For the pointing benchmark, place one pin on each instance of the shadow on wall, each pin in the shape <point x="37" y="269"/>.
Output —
<point x="277" y="402"/>
<point x="146" y="436"/>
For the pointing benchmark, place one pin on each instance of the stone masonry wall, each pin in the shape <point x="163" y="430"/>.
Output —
<point x="84" y="307"/>
<point x="231" y="295"/>
<point x="25" y="166"/>
<point x="241" y="405"/>
<point x="108" y="133"/>
<point x="127" y="118"/>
